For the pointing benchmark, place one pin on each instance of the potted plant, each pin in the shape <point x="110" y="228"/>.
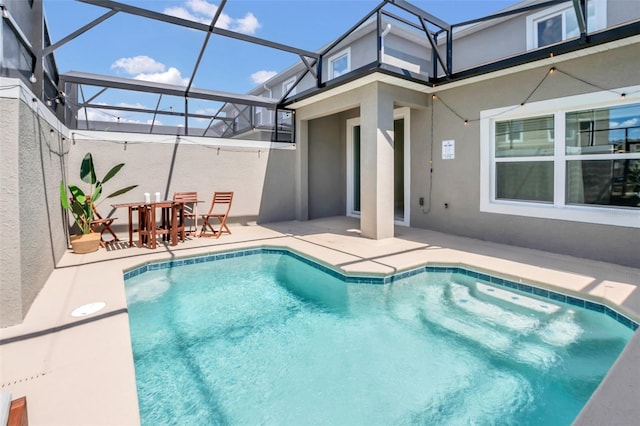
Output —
<point x="80" y="204"/>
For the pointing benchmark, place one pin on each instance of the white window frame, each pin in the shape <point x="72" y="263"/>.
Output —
<point x="333" y="59"/>
<point x="599" y="20"/>
<point x="287" y="84"/>
<point x="614" y="215"/>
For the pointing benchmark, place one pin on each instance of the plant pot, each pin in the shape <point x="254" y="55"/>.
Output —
<point x="85" y="243"/>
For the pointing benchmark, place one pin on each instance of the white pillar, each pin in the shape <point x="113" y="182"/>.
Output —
<point x="376" y="163"/>
<point x="302" y="170"/>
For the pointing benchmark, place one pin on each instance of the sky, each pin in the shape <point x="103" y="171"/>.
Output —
<point x="133" y="47"/>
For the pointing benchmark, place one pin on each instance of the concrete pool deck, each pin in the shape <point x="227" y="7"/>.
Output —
<point x="79" y="370"/>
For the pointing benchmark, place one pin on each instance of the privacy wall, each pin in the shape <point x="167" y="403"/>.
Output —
<point x="32" y="236"/>
<point x="37" y="152"/>
<point x="259" y="174"/>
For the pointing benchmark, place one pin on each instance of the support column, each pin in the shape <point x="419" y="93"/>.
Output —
<point x="376" y="163"/>
<point x="302" y="170"/>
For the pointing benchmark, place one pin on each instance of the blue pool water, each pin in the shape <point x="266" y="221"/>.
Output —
<point x="269" y="339"/>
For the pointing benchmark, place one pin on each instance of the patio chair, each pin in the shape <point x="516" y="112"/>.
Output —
<point x="190" y="200"/>
<point x="102" y="224"/>
<point x="16" y="414"/>
<point x="220" y="206"/>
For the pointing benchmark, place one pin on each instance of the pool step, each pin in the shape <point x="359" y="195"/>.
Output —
<point x="517" y="299"/>
<point x="462" y="297"/>
<point x="529" y="340"/>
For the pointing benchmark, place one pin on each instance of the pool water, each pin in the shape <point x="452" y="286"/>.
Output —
<point x="269" y="339"/>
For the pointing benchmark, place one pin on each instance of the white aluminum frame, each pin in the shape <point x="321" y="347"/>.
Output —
<point x="614" y="215"/>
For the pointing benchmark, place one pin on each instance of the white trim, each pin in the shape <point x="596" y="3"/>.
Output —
<point x="617" y="216"/>
<point x="405" y="114"/>
<point x="560" y="165"/>
<point x="599" y="20"/>
<point x="259" y="120"/>
<point x="351" y="123"/>
<point x="139" y="138"/>
<point x="334" y="58"/>
<point x="399" y="113"/>
<point x="286" y="84"/>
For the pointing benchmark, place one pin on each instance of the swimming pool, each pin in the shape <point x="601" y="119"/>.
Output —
<point x="268" y="337"/>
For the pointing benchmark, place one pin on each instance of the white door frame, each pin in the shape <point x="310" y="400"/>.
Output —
<point x="351" y="123"/>
<point x="398" y="113"/>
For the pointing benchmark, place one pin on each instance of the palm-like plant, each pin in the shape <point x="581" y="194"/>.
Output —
<point x="80" y="203"/>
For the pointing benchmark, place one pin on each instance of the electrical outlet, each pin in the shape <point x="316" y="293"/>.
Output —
<point x="421" y="201"/>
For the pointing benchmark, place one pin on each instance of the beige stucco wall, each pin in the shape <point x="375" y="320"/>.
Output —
<point x="456" y="182"/>
<point x="36" y="150"/>
<point x="327" y="168"/>
<point x="261" y="178"/>
<point x="32" y="236"/>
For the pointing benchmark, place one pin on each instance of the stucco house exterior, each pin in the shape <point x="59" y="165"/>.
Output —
<point x="516" y="137"/>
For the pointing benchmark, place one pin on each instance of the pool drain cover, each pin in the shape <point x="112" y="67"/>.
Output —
<point x="88" y="309"/>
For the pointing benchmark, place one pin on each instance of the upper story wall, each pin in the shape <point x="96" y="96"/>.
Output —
<point x="408" y="49"/>
<point x="488" y="44"/>
<point x="506" y="37"/>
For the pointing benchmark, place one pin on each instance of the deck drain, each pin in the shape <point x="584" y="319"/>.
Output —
<point x="88" y="309"/>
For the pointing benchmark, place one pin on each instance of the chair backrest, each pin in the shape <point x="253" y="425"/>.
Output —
<point x="189" y="198"/>
<point x="95" y="212"/>
<point x="221" y="202"/>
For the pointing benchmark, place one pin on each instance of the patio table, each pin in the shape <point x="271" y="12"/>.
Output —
<point x="171" y="224"/>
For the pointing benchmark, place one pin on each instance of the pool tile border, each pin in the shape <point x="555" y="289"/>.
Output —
<point x="387" y="279"/>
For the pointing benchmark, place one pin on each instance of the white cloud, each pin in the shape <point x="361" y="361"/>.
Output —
<point x="247" y="25"/>
<point x="100" y="115"/>
<point x="202" y="7"/>
<point x="94" y="115"/>
<point x="138" y="64"/>
<point x="170" y="76"/>
<point x="260" y="77"/>
<point x="202" y="11"/>
<point x="181" y="12"/>
<point x="632" y="122"/>
<point x="148" y="69"/>
<point x="136" y="105"/>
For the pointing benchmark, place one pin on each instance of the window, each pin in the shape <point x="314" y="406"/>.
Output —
<point x="609" y="133"/>
<point x="604" y="130"/>
<point x="340" y="63"/>
<point x="524" y="163"/>
<point x="285" y="118"/>
<point x="557" y="159"/>
<point x="559" y="23"/>
<point x="524" y="137"/>
<point x="287" y="85"/>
